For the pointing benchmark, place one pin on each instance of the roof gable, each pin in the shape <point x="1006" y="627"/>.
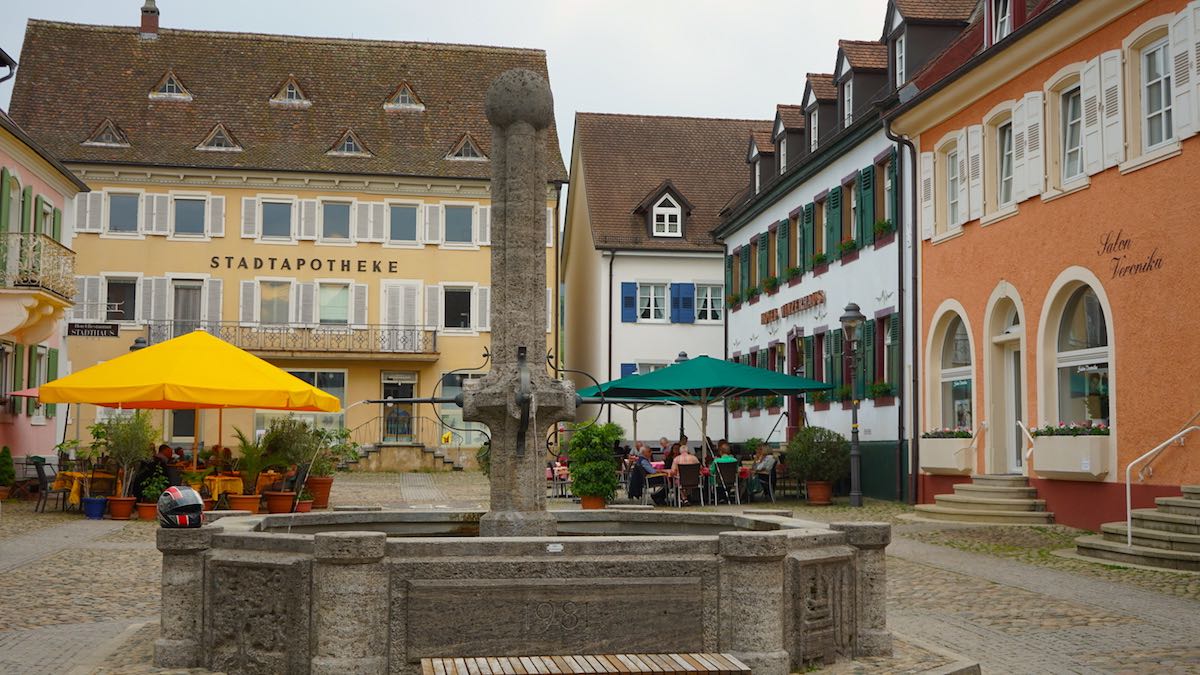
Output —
<point x="466" y="149"/>
<point x="219" y="140"/>
<point x="819" y="87"/>
<point x="169" y="88"/>
<point x="936" y="11"/>
<point x="107" y="134"/>
<point x="290" y="94"/>
<point x="787" y="118"/>
<point x="667" y="187"/>
<point x="403" y="98"/>
<point x="863" y="56"/>
<point x="349" y="145"/>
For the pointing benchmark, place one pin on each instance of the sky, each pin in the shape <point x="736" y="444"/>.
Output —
<point x="702" y="58"/>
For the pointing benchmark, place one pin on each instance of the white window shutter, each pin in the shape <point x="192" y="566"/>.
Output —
<point x="485" y="225"/>
<point x="420" y="225"/>
<point x="1020" y="176"/>
<point x="433" y="307"/>
<point x="162" y="295"/>
<point x="964" y="192"/>
<point x="216" y="216"/>
<point x="249" y="218"/>
<point x="549" y="310"/>
<point x="358" y="305"/>
<point x="308" y="219"/>
<point x="408" y="307"/>
<point x="95" y="308"/>
<point x="378" y="221"/>
<point x="550" y="227"/>
<point x="307" y="304"/>
<point x="82" y="224"/>
<point x="1093" y="130"/>
<point x="393" y="297"/>
<point x="362" y="222"/>
<point x="146" y="298"/>
<point x="483" y="308"/>
<point x="248" y="303"/>
<point x="162" y="214"/>
<point x="926" y="195"/>
<point x="433" y="224"/>
<point x="1035" y="141"/>
<point x="1183" y="93"/>
<point x="78" y="311"/>
<point x="1113" y="107"/>
<point x="146" y="214"/>
<point x="95" y="212"/>
<point x="975" y="170"/>
<point x="213" y="290"/>
<point x="1193" y="8"/>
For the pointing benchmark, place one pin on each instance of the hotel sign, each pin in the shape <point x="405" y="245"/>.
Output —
<point x="92" y="330"/>
<point x="793" y="307"/>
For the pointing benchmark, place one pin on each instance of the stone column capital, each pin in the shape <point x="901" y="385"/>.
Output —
<point x="349" y="548"/>
<point x="184" y="540"/>
<point x="865" y="535"/>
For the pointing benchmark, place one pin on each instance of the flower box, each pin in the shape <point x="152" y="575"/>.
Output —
<point x="847" y="405"/>
<point x="884" y="401"/>
<point x="754" y="299"/>
<point x="735" y="307"/>
<point x="886" y="239"/>
<point x="794" y="281"/>
<point x="820" y="269"/>
<point x="1072" y="457"/>
<point x="947" y="456"/>
<point x="755" y="412"/>
<point x="818" y="407"/>
<point x="849" y="256"/>
<point x="737" y="414"/>
<point x="773" y="410"/>
<point x="772" y="292"/>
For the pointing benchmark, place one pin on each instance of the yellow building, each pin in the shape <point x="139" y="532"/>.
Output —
<point x="323" y="203"/>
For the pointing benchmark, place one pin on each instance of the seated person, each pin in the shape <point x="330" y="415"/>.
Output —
<point x="670" y="457"/>
<point x="179" y="456"/>
<point x="685" y="458"/>
<point x="724" y="456"/>
<point x="645" y="475"/>
<point x="164" y="455"/>
<point x="764" y="466"/>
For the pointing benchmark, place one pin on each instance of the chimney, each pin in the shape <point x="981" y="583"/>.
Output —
<point x="149" y="21"/>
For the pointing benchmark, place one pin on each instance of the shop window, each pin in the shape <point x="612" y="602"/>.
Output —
<point x="1082" y="360"/>
<point x="956" y="377"/>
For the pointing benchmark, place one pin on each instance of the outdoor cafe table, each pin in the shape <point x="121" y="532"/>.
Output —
<point x="221" y="484"/>
<point x="75" y="480"/>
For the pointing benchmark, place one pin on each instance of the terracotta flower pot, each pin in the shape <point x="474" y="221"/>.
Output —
<point x="120" y="508"/>
<point x="319" y="486"/>
<point x="279" y="501"/>
<point x="147" y="511"/>
<point x="4" y="491"/>
<point x="820" y="492"/>
<point x="210" y="504"/>
<point x="244" y="502"/>
<point x="591" y="502"/>
<point x="304" y="506"/>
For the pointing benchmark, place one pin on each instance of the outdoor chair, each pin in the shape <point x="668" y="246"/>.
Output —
<point x="174" y="475"/>
<point x="768" y="482"/>
<point x="44" y="489"/>
<point x="688" y="478"/>
<point x="727" y="479"/>
<point x="102" y="486"/>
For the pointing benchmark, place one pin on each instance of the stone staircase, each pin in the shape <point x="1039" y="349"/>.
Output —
<point x="434" y="459"/>
<point x="996" y="499"/>
<point x="1166" y="536"/>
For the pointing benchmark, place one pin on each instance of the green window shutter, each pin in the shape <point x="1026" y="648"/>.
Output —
<point x="867" y="359"/>
<point x="57" y="229"/>
<point x="866" y="207"/>
<point x="764" y="257"/>
<point x="51" y="375"/>
<point x="836" y="366"/>
<point x="728" y="274"/>
<point x="892" y="196"/>
<point x="18" y="381"/>
<point x="897" y="366"/>
<point x="27" y="209"/>
<point x="5" y="197"/>
<point x="810" y="238"/>
<point x="745" y="269"/>
<point x="833" y="223"/>
<point x="39" y="214"/>
<point x="31" y="378"/>
<point x="781" y="248"/>
<point x="809" y="362"/>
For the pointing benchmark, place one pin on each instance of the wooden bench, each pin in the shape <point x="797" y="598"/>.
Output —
<point x="724" y="664"/>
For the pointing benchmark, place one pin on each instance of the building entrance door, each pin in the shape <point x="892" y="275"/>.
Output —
<point x="398" y="423"/>
<point x="1006" y="391"/>
<point x="1013" y="395"/>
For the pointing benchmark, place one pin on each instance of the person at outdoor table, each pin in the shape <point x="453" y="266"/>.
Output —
<point x="664" y="446"/>
<point x="670" y="457"/>
<point x="724" y="456"/>
<point x="685" y="457"/>
<point x="164" y="455"/>
<point x="179" y="456"/>
<point x="764" y="464"/>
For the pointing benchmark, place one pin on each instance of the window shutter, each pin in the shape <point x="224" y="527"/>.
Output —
<point x="485" y="225"/>
<point x="27" y="209"/>
<point x="31" y="379"/>
<point x="95" y="309"/>
<point x="216" y="216"/>
<point x="687" y="303"/>
<point x="249" y="217"/>
<point x="38" y="223"/>
<point x="964" y="192"/>
<point x="549" y="310"/>
<point x="628" y="369"/>
<point x="975" y="170"/>
<point x="897" y="364"/>
<point x="51" y="375"/>
<point x="781" y="247"/>
<point x="162" y="295"/>
<point x="550" y="227"/>
<point x="78" y="311"/>
<point x="6" y="197"/>
<point x="836" y="365"/>
<point x="673" y="311"/>
<point x="308" y="219"/>
<point x="1020" y="179"/>
<point x="745" y="270"/>
<point x="408" y="307"/>
<point x="810" y="236"/>
<point x="893" y="195"/>
<point x="629" y="302"/>
<point x="18" y="381"/>
<point x="378" y="221"/>
<point x="248" y="303"/>
<point x="1193" y="8"/>
<point x="1113" y="106"/>
<point x="162" y="215"/>
<point x="213" y="289"/>
<point x="1093" y="130"/>
<point x="483" y="308"/>
<point x="809" y="371"/>
<point x="866" y="357"/>
<point x="729" y="273"/>
<point x="56" y="225"/>
<point x="307" y="304"/>
<point x="1183" y="94"/>
<point x="358" y="305"/>
<point x="764" y="258"/>
<point x="362" y="221"/>
<point x="433" y="224"/>
<point x="433" y="306"/>
<point x="95" y="211"/>
<point x="1035" y="163"/>
<point x="833" y="222"/>
<point x="79" y="201"/>
<point x="866" y="206"/>
<point x="145" y="223"/>
<point x="146" y="298"/>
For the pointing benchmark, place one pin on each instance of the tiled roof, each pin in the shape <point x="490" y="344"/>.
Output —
<point x="763" y="141"/>
<point x="823" y="87"/>
<point x="792" y="115"/>
<point x="72" y="76"/>
<point x="937" y="10"/>
<point x="625" y="157"/>
<point x="865" y="55"/>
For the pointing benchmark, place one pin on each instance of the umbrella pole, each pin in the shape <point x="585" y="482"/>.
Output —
<point x="636" y="408"/>
<point x="704" y="430"/>
<point x="196" y="439"/>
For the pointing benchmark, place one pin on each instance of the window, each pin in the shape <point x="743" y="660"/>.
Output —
<point x="849" y="215"/>
<point x="467" y="433"/>
<point x="710" y="302"/>
<point x="458" y="224"/>
<point x="335" y="221"/>
<point x="467" y="150"/>
<point x="403" y="226"/>
<point x="1004" y="155"/>
<point x="667" y="215"/>
<point x="277" y="220"/>
<point x="900" y="74"/>
<point x="812" y="131"/>
<point x="643" y="368"/>
<point x="123" y="213"/>
<point x="782" y="155"/>
<point x="757" y="176"/>
<point x="107" y="135"/>
<point x="818" y="369"/>
<point x="652" y="305"/>
<point x="37" y="375"/>
<point x="1083" y="360"/>
<point x="772" y="255"/>
<point x="848" y="103"/>
<point x="956" y="377"/>
<point x="1001" y="19"/>
<point x="332" y="382"/>
<point x="274" y="306"/>
<point x="290" y="93"/>
<point x="333" y="304"/>
<point x="818" y="230"/>
<point x="456" y="308"/>
<point x="883" y="198"/>
<point x="219" y="139"/>
<point x="171" y="87"/>
<point x="1156" y="96"/>
<point x="754" y="280"/>
<point x="189" y="217"/>
<point x="348" y="145"/>
<point x="1072" y="135"/>
<point x="121" y="300"/>
<point x="403" y="98"/>
<point x="952" y="181"/>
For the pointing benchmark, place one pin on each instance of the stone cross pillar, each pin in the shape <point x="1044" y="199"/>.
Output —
<point x="752" y="576"/>
<point x="350" y="603"/>
<point x="518" y="400"/>
<point x="870" y="539"/>
<point x="182" y="615"/>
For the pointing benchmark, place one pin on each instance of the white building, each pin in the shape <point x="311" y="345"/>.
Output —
<point x="643" y="275"/>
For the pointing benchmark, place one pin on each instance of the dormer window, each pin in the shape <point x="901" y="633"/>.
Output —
<point x="900" y="75"/>
<point x="757" y="175"/>
<point x="219" y="140"/>
<point x="291" y="95"/>
<point x="107" y="135"/>
<point x="667" y="218"/>
<point x="782" y="144"/>
<point x="403" y="99"/>
<point x="812" y="131"/>
<point x="467" y="149"/>
<point x="848" y="103"/>
<point x="169" y="88"/>
<point x="1001" y="19"/>
<point x="349" y="146"/>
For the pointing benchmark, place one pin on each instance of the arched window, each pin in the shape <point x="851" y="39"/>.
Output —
<point x="956" y="377"/>
<point x="667" y="216"/>
<point x="1082" y="360"/>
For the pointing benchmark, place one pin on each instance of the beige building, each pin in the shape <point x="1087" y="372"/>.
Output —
<point x="323" y="203"/>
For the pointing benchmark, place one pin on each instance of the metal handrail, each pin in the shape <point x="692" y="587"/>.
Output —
<point x="1025" y="430"/>
<point x="303" y="337"/>
<point x="1128" y="478"/>
<point x="1142" y="472"/>
<point x="974" y="442"/>
<point x="35" y="259"/>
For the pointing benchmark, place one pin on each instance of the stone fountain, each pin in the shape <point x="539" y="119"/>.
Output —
<point x="374" y="591"/>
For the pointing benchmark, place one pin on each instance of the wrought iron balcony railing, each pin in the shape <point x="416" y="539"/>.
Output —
<point x="35" y="260"/>
<point x="331" y="339"/>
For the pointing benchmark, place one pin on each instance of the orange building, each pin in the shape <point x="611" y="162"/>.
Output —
<point x="1057" y="163"/>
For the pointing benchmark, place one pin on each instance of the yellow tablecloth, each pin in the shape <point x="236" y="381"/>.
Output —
<point x="75" y="480"/>
<point x="219" y="485"/>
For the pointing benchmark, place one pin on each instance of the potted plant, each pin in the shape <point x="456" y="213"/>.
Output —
<point x="842" y="393"/>
<point x="85" y="456"/>
<point x="819" y="457"/>
<point x="294" y="443"/>
<point x="254" y="459"/>
<point x="1072" y="451"/>
<point x="791" y="274"/>
<point x="8" y="472"/>
<point x="305" y="504"/>
<point x="883" y="228"/>
<point x="592" y="465"/>
<point x="882" y="393"/>
<point x="946" y="451"/>
<point x="335" y="447"/>
<point x="128" y="440"/>
<point x="771" y="284"/>
<point x="152" y="486"/>
<point x="752" y="294"/>
<point x="734" y="299"/>
<point x="735" y="406"/>
<point x="846" y="248"/>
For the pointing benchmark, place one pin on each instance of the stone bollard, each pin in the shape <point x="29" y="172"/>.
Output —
<point x="349" y="603"/>
<point x="870" y="539"/>
<point x="181" y="622"/>
<point x="752" y="582"/>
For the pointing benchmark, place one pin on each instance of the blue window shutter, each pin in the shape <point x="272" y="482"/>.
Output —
<point x="628" y="302"/>
<point x="687" y="303"/>
<point x="674" y="314"/>
<point x="627" y="369"/>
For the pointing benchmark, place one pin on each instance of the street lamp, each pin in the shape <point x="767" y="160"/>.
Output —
<point x="852" y="319"/>
<point x="680" y="359"/>
<point x="139" y="344"/>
